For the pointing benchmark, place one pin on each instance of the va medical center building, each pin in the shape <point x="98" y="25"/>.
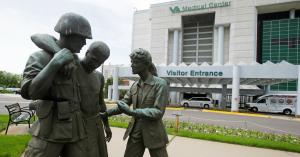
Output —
<point x="220" y="32"/>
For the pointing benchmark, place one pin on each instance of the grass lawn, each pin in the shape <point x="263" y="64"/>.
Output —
<point x="3" y="122"/>
<point x="118" y="124"/>
<point x="13" y="146"/>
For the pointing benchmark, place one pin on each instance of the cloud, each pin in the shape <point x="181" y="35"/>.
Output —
<point x="15" y="36"/>
<point x="111" y="22"/>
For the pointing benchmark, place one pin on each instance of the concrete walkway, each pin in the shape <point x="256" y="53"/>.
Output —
<point x="183" y="147"/>
<point x="20" y="129"/>
<point x="186" y="147"/>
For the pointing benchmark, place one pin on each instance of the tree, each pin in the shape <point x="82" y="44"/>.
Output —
<point x="108" y="82"/>
<point x="9" y="80"/>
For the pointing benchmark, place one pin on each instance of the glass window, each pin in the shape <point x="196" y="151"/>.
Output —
<point x="281" y="101"/>
<point x="284" y="44"/>
<point x="203" y="99"/>
<point x="289" y="101"/>
<point x="273" y="100"/>
<point x="261" y="101"/>
<point x="198" y="39"/>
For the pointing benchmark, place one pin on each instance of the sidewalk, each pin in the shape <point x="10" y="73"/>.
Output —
<point x="20" y="129"/>
<point x="183" y="147"/>
<point x="186" y="147"/>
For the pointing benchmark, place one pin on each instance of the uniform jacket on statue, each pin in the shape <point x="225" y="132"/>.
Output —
<point x="155" y="95"/>
<point x="61" y="102"/>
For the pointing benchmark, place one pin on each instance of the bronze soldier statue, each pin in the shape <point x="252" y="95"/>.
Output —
<point x="149" y="97"/>
<point x="59" y="130"/>
<point x="92" y="101"/>
<point x="91" y="92"/>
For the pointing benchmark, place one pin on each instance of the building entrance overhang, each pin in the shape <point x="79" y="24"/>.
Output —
<point x="205" y="74"/>
<point x="194" y="77"/>
<point x="244" y="90"/>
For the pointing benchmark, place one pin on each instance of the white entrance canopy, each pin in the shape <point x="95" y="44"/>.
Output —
<point x="195" y="75"/>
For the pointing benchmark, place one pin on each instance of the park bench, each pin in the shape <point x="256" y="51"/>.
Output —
<point x="18" y="115"/>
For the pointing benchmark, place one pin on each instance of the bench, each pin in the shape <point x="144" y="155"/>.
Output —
<point x="18" y="115"/>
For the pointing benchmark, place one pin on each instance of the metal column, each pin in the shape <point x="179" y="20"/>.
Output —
<point x="215" y="43"/>
<point x="115" y="84"/>
<point x="221" y="44"/>
<point x="292" y="14"/>
<point x="297" y="107"/>
<point x="220" y="59"/>
<point x="235" y="100"/>
<point x="175" y="47"/>
<point x="223" y="97"/>
<point x="109" y="92"/>
<point x="174" y="95"/>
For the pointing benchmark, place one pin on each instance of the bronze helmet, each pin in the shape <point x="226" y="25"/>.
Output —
<point x="71" y="23"/>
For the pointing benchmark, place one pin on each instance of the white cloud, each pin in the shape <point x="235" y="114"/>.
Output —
<point x="15" y="36"/>
<point x="111" y="22"/>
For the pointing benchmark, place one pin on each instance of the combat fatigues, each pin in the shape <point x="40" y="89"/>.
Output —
<point x="146" y="133"/>
<point x="60" y="128"/>
<point x="92" y="102"/>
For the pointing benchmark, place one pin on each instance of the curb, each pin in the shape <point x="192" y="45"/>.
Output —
<point x="175" y="108"/>
<point x="251" y="115"/>
<point x="167" y="108"/>
<point x="112" y="104"/>
<point x="237" y="113"/>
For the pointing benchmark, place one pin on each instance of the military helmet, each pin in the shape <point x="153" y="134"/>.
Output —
<point x="71" y="23"/>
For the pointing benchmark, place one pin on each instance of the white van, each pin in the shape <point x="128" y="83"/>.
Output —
<point x="275" y="103"/>
<point x="202" y="102"/>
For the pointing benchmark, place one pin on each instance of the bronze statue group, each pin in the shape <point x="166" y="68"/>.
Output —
<point x="68" y="93"/>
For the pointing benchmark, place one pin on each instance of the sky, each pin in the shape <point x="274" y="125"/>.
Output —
<point x="111" y="22"/>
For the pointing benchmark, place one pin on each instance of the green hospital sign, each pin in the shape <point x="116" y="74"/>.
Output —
<point x="204" y="6"/>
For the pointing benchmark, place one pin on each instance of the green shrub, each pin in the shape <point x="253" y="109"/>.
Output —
<point x="3" y="91"/>
<point x="239" y="136"/>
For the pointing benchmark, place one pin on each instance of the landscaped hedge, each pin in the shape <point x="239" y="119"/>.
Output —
<point x="239" y="136"/>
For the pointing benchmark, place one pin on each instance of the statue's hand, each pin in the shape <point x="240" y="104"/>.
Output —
<point x="103" y="115"/>
<point x="108" y="133"/>
<point x="68" y="69"/>
<point x="63" y="57"/>
<point x="124" y="108"/>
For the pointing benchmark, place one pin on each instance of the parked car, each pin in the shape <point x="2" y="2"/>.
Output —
<point x="14" y="90"/>
<point x="202" y="102"/>
<point x="279" y="103"/>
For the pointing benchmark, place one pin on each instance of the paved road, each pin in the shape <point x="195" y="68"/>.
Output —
<point x="7" y="99"/>
<point x="273" y="125"/>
